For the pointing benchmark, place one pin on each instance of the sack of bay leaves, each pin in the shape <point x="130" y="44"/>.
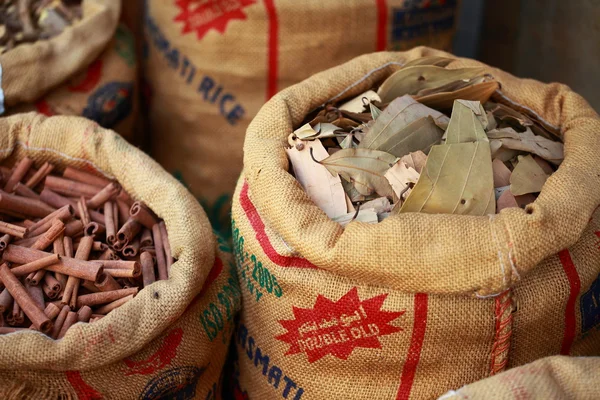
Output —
<point x="372" y="259"/>
<point x="171" y="339"/>
<point x="68" y="58"/>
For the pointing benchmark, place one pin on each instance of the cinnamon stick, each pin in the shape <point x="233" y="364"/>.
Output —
<point x="85" y="177"/>
<point x="13" y="230"/>
<point x="107" y="284"/>
<point x="56" y="200"/>
<point x="58" y="323"/>
<point x="146" y="238"/>
<point x="129" y="230"/>
<point x="35" y="265"/>
<point x="24" y="191"/>
<point x="109" y="222"/>
<point x="163" y="272"/>
<point x="84" y="314"/>
<point x="4" y="241"/>
<point x="95" y="299"/>
<point x="70" y="320"/>
<point x="109" y="192"/>
<point x="132" y="248"/>
<point x="143" y="215"/>
<point x="147" y="262"/>
<point x="115" y="304"/>
<point x="39" y="176"/>
<point x="6" y="301"/>
<point x="63" y="214"/>
<point x="70" y="188"/>
<point x="18" y="173"/>
<point x="24" y="205"/>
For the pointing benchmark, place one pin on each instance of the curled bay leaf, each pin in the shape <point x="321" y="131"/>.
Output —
<point x="476" y="92"/>
<point x="365" y="168"/>
<point x="305" y="131"/>
<point x="410" y="80"/>
<point x="457" y="179"/>
<point x="357" y="104"/>
<point x="527" y="177"/>
<point x="322" y="187"/>
<point x="398" y="114"/>
<point x="547" y="149"/>
<point x="464" y="125"/>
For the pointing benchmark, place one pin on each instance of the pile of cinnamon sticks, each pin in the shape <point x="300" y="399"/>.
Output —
<point x="74" y="247"/>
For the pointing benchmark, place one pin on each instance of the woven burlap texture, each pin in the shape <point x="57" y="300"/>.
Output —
<point x="549" y="378"/>
<point x="445" y="254"/>
<point x="30" y="70"/>
<point x="81" y="143"/>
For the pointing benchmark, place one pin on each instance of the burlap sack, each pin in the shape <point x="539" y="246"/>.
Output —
<point x="212" y="64"/>
<point x="171" y="339"/>
<point x="555" y="377"/>
<point x="418" y="304"/>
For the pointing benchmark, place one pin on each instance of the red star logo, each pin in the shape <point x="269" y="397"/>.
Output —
<point x="202" y="15"/>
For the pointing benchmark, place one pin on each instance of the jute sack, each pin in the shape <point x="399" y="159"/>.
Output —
<point x="212" y="64"/>
<point x="418" y="304"/>
<point x="555" y="377"/>
<point x="172" y="338"/>
<point x="88" y="70"/>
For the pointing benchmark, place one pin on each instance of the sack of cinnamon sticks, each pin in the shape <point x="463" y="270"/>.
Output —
<point x="436" y="282"/>
<point x="113" y="283"/>
<point x="69" y="58"/>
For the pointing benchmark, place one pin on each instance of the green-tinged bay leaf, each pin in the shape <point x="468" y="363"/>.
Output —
<point x="357" y="104"/>
<point x="429" y="60"/>
<point x="347" y="143"/>
<point x="464" y="125"/>
<point x="305" y="131"/>
<point x="324" y="189"/>
<point x="419" y="135"/>
<point x="365" y="168"/>
<point x="375" y="112"/>
<point x="411" y="80"/>
<point x="547" y="149"/>
<point x="478" y="92"/>
<point x="527" y="177"/>
<point x="398" y="114"/>
<point x="457" y="179"/>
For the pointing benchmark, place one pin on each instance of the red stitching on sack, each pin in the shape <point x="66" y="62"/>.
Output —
<point x="382" y="25"/>
<point x="574" y="289"/>
<point x="83" y="390"/>
<point x="416" y="345"/>
<point x="273" y="48"/>
<point x="504" y="318"/>
<point x="160" y="358"/>
<point x="264" y="241"/>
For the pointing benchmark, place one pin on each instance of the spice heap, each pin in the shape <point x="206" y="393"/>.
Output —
<point x="25" y="21"/>
<point x="74" y="248"/>
<point x="428" y="139"/>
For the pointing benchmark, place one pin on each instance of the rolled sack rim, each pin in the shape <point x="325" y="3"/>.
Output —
<point x="503" y="247"/>
<point x="158" y="306"/>
<point x="15" y="85"/>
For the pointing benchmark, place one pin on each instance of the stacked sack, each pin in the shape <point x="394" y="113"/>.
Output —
<point x="427" y="302"/>
<point x="88" y="70"/>
<point x="171" y="339"/>
<point x="212" y="64"/>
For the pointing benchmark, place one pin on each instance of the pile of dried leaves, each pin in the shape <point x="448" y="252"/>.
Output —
<point x="395" y="150"/>
<point x="25" y="21"/>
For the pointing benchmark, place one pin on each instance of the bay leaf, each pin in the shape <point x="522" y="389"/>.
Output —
<point x="464" y="125"/>
<point x="548" y="170"/>
<point x="547" y="149"/>
<point x="502" y="153"/>
<point x="419" y="135"/>
<point x="323" y="188"/>
<point x="525" y="199"/>
<point x="357" y="104"/>
<point x="438" y="61"/>
<point x="501" y="173"/>
<point x="477" y="109"/>
<point x="325" y="130"/>
<point x="347" y="142"/>
<point x="400" y="176"/>
<point x="398" y="114"/>
<point x="411" y="80"/>
<point x="379" y="205"/>
<point x="375" y="112"/>
<point x="364" y="215"/>
<point x="477" y="92"/>
<point x="457" y="179"/>
<point x="305" y="131"/>
<point x="415" y="160"/>
<point x="527" y="177"/>
<point x="506" y="200"/>
<point x="365" y="168"/>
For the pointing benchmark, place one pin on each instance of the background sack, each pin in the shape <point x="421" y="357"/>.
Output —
<point x="549" y="378"/>
<point x="418" y="304"/>
<point x="172" y="338"/>
<point x="88" y="70"/>
<point x="212" y="64"/>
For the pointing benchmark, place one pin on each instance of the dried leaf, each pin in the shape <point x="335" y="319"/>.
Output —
<point x="457" y="179"/>
<point x="429" y="60"/>
<point x="491" y="121"/>
<point x="415" y="160"/>
<point x="526" y="141"/>
<point x="420" y="135"/>
<point x="398" y="114"/>
<point x="365" y="168"/>
<point x="506" y="200"/>
<point x="357" y="104"/>
<point x="364" y="215"/>
<point x="400" y="176"/>
<point x="527" y="177"/>
<point x="501" y="173"/>
<point x="464" y="125"/>
<point x="547" y="168"/>
<point x="379" y="205"/>
<point x="478" y="92"/>
<point x="347" y="143"/>
<point x="305" y="131"/>
<point x="323" y="188"/>
<point x="325" y="130"/>
<point x="411" y="80"/>
<point x="375" y="112"/>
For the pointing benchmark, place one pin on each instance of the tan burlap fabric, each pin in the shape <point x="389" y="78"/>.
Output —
<point x="418" y="304"/>
<point x="30" y="70"/>
<point x="173" y="336"/>
<point x="211" y="65"/>
<point x="549" y="378"/>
